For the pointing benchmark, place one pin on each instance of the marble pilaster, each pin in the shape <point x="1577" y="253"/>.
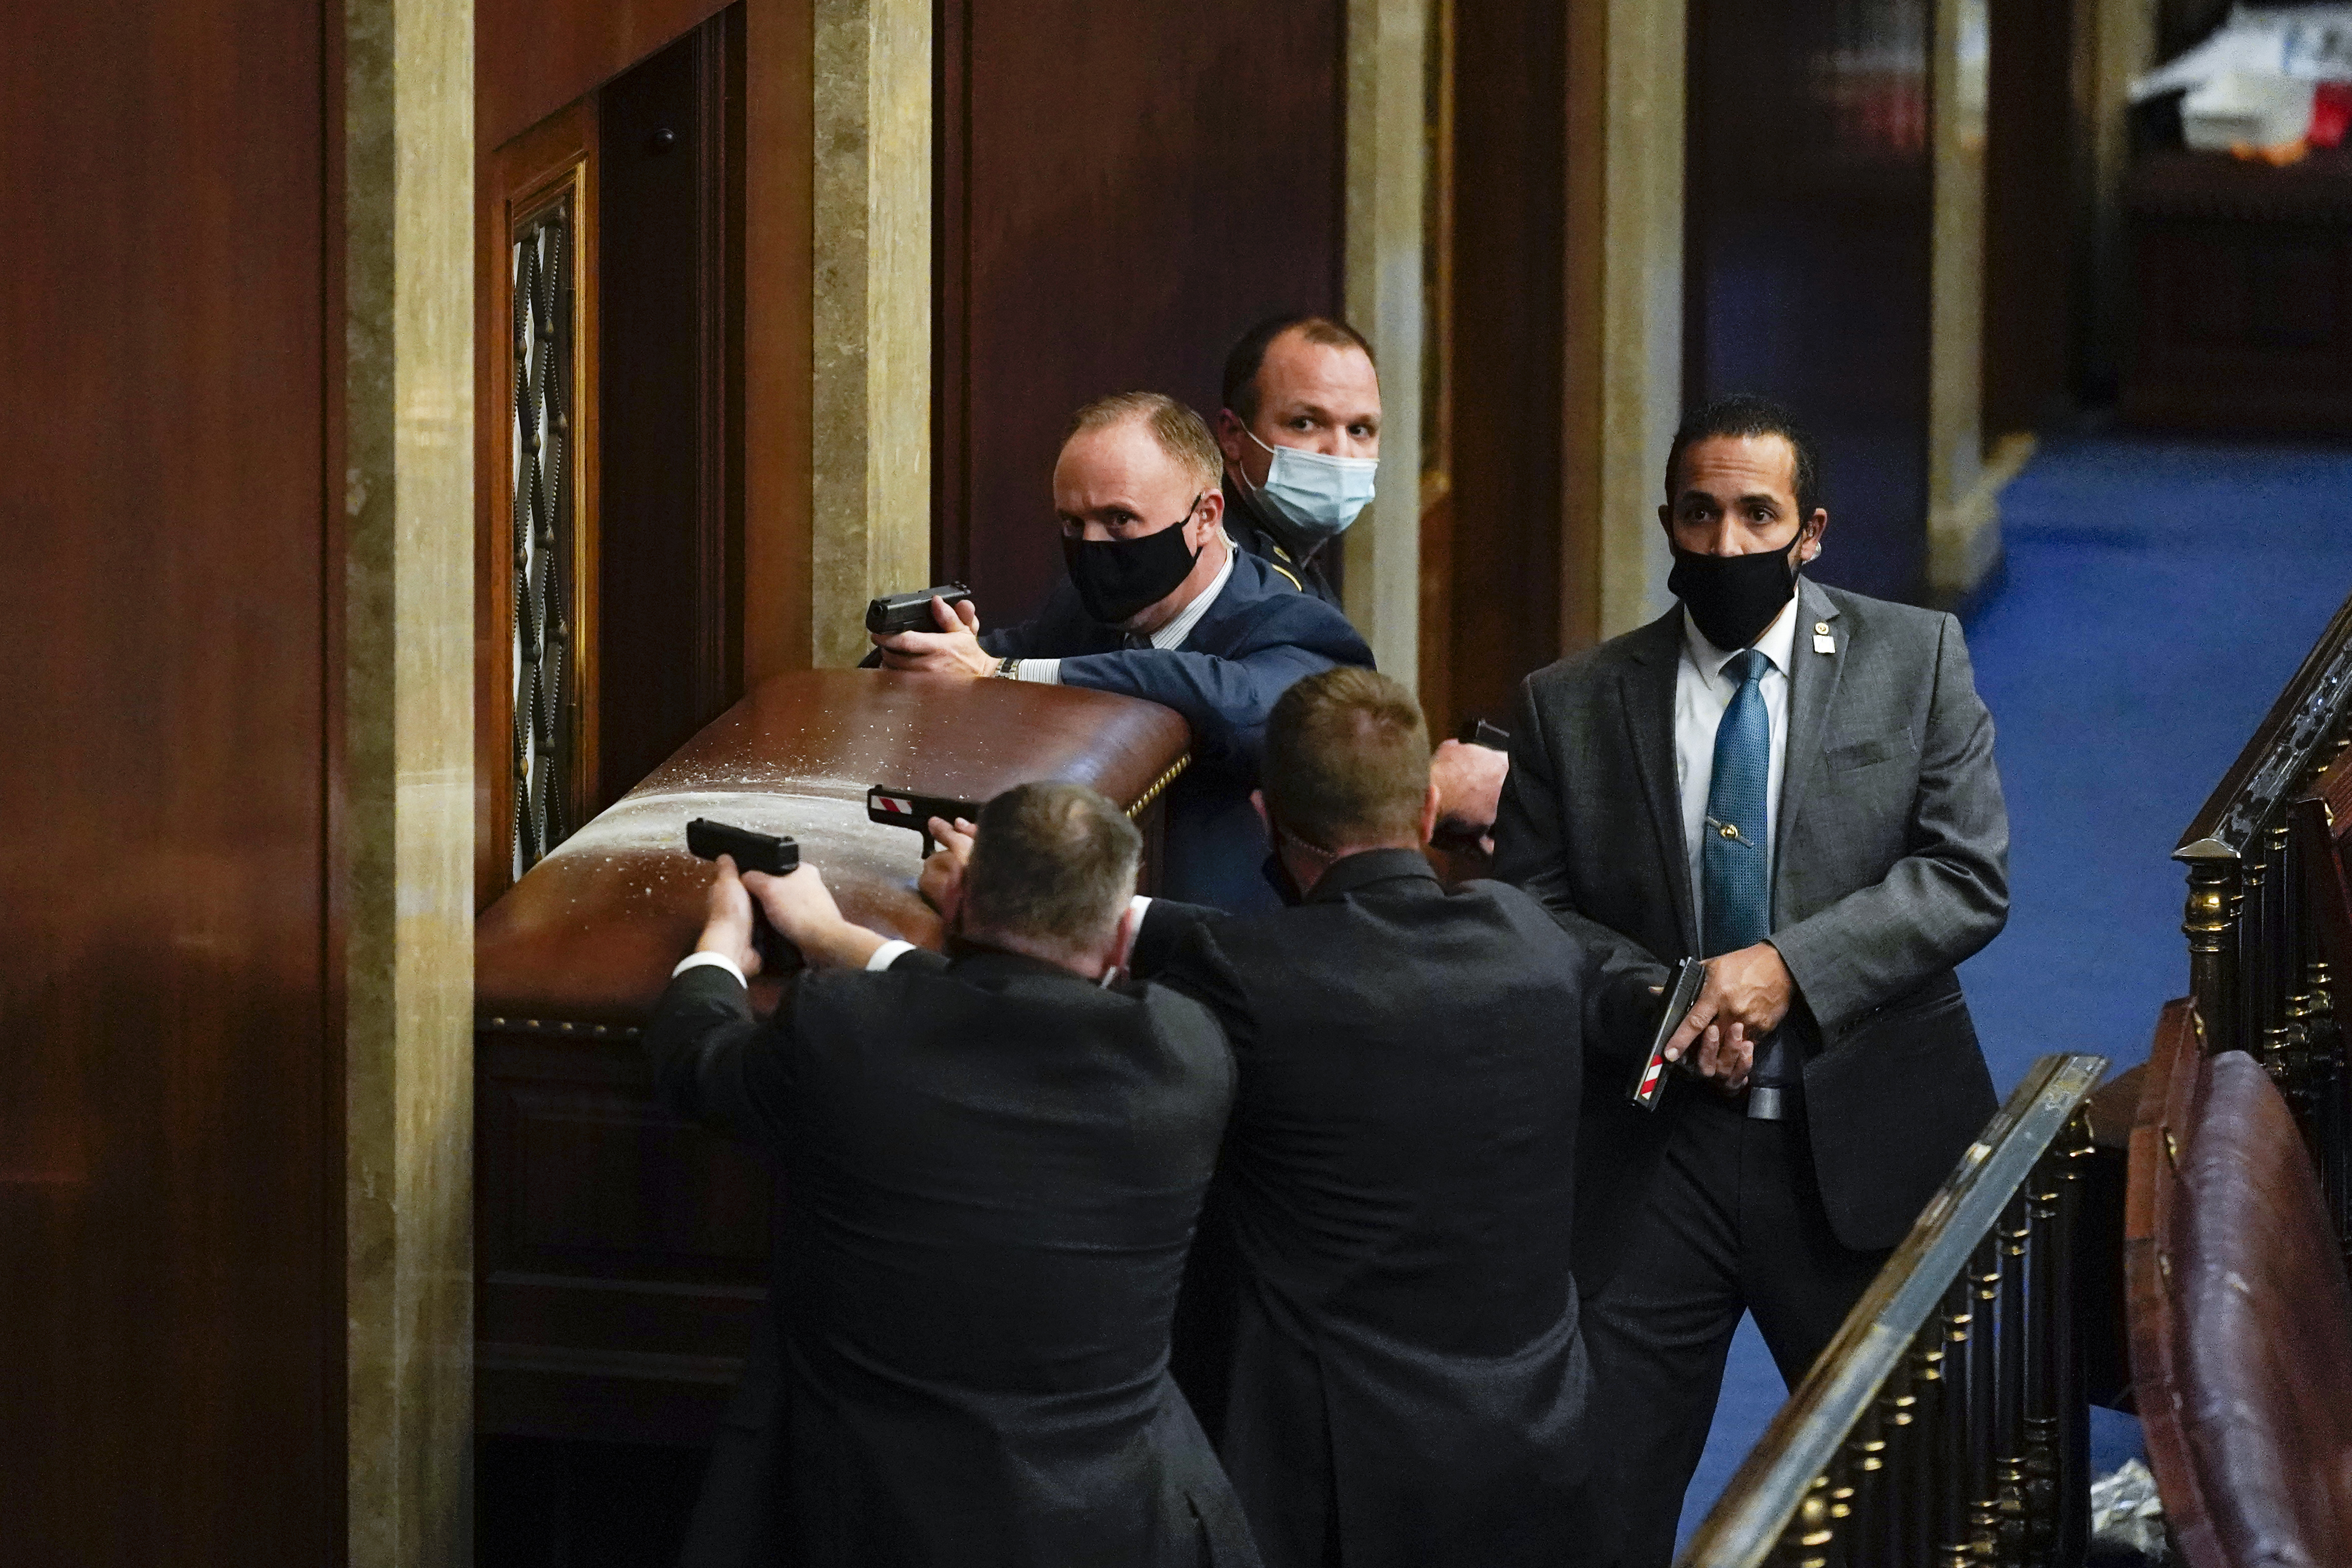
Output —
<point x="1626" y="69"/>
<point x="1386" y="120"/>
<point x="405" y="816"/>
<point x="870" y="451"/>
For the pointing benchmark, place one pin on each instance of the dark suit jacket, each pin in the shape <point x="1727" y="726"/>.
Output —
<point x="1248" y="528"/>
<point x="1891" y="868"/>
<point x="990" y="1172"/>
<point x="1406" y="1384"/>
<point x="1260" y="637"/>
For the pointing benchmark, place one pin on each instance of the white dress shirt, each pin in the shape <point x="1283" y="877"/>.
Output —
<point x="1172" y="634"/>
<point x="1702" y="692"/>
<point x="883" y="958"/>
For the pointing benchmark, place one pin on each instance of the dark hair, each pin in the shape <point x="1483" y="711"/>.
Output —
<point x="1346" y="759"/>
<point x="1054" y="863"/>
<point x="1744" y="413"/>
<point x="1239" y="389"/>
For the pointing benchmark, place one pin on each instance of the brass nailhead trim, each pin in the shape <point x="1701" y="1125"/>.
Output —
<point x="560" y="1027"/>
<point x="1158" y="784"/>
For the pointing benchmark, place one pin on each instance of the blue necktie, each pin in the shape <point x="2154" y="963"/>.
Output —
<point x="1735" y="872"/>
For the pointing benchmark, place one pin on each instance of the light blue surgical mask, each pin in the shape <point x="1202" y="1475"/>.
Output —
<point x="1317" y="496"/>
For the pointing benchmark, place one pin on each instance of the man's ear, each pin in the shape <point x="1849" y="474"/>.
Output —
<point x="1815" y="526"/>
<point x="1257" y="800"/>
<point x="1429" y="805"/>
<point x="1209" y="516"/>
<point x="1122" y="946"/>
<point x="1230" y="438"/>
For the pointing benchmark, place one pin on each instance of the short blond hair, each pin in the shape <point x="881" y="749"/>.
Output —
<point x="1346" y="759"/>
<point x="1180" y="432"/>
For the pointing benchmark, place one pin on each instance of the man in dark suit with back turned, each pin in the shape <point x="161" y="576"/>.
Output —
<point x="1796" y="782"/>
<point x="992" y="1167"/>
<point x="1405" y="1384"/>
<point x="1157" y="603"/>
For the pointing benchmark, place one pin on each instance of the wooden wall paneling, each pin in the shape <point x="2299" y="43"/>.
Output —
<point x="720" y="200"/>
<point x="1137" y="188"/>
<point x="532" y="57"/>
<point x="2036" y="214"/>
<point x="952" y="248"/>
<point x="605" y="1220"/>
<point x="1809" y="215"/>
<point x="778" y="348"/>
<point x="555" y="161"/>
<point x="1508" y="296"/>
<point x="670" y="432"/>
<point x="170" y="1170"/>
<point x="1437" y="585"/>
<point x="2242" y="285"/>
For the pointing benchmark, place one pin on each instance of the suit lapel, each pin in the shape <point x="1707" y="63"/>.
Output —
<point x="1647" y="689"/>
<point x="1813" y="689"/>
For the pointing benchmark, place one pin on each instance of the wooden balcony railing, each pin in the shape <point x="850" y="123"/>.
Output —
<point x="2263" y="971"/>
<point x="2248" y="957"/>
<point x="1945" y="1425"/>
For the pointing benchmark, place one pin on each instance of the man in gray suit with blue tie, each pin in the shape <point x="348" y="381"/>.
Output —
<point x="1796" y="783"/>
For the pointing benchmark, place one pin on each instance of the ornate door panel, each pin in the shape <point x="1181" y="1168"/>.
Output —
<point x="536" y="555"/>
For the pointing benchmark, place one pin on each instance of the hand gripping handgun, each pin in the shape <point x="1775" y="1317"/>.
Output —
<point x="895" y="613"/>
<point x="1650" y="1083"/>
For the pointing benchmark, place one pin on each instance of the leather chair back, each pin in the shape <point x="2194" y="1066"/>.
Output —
<point x="2241" y="1318"/>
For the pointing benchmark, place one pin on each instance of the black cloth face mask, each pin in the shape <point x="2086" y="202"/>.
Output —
<point x="1118" y="579"/>
<point x="1733" y="597"/>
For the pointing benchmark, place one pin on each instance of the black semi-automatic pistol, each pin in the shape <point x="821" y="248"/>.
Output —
<point x="753" y="851"/>
<point x="1478" y="732"/>
<point x="904" y="808"/>
<point x="1650" y="1083"/>
<point x="895" y="613"/>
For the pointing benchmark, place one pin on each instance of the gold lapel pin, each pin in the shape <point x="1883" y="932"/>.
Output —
<point x="1822" y="643"/>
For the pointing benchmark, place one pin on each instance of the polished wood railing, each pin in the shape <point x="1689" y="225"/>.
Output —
<point x="2249" y="961"/>
<point x="2259" y="962"/>
<point x="1945" y="1425"/>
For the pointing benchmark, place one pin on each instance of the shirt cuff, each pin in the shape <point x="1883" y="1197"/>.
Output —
<point x="888" y="954"/>
<point x="1048" y="670"/>
<point x="716" y="961"/>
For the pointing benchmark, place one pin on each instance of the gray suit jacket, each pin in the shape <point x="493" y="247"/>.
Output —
<point x="1891" y="867"/>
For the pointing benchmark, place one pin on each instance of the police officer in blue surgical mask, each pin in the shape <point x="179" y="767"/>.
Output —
<point x="1301" y="433"/>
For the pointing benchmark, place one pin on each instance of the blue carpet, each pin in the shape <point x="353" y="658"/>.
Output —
<point x="2157" y="596"/>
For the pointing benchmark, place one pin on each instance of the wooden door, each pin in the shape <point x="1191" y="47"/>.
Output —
<point x="1499" y="229"/>
<point x="1121" y="192"/>
<point x="171" y="1159"/>
<point x="1811" y="205"/>
<point x="609" y="532"/>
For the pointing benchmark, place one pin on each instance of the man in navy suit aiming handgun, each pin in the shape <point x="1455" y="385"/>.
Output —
<point x="1157" y="603"/>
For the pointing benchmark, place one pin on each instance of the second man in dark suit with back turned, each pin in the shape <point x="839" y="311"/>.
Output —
<point x="1405" y="1384"/>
